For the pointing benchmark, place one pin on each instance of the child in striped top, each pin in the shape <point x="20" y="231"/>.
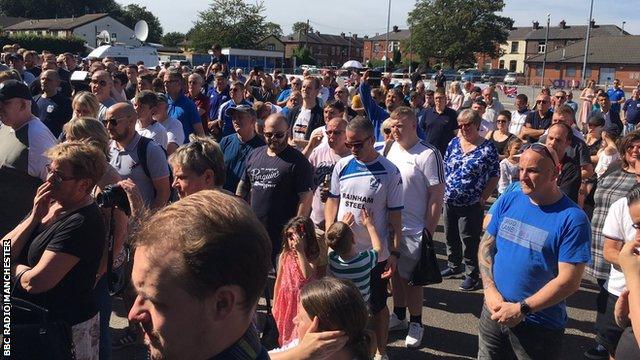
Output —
<point x="344" y="262"/>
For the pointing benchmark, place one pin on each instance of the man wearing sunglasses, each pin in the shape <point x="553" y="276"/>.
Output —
<point x="101" y="84"/>
<point x="531" y="258"/>
<point x="23" y="141"/>
<point x="277" y="181"/>
<point x="367" y="180"/>
<point x="537" y="121"/>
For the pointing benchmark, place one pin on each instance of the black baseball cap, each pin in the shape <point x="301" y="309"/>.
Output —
<point x="11" y="89"/>
<point x="241" y="109"/>
<point x="14" y="56"/>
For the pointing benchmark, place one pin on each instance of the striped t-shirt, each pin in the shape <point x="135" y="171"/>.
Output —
<point x="357" y="269"/>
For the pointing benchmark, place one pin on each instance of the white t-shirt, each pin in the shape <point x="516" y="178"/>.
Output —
<point x="323" y="130"/>
<point x="375" y="186"/>
<point x="40" y="140"/>
<point x="618" y="226"/>
<point x="420" y="167"/>
<point x="301" y="124"/>
<point x="154" y="131"/>
<point x="175" y="132"/>
<point x="323" y="159"/>
<point x="517" y="121"/>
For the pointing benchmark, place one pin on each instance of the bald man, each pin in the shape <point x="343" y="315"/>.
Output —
<point x="54" y="107"/>
<point x="278" y="180"/>
<point x="125" y="150"/>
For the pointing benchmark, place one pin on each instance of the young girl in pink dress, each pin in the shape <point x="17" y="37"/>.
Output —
<point x="296" y="268"/>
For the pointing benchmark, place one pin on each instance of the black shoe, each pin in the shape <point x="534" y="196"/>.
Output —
<point x="450" y="273"/>
<point x="470" y="284"/>
<point x="598" y="352"/>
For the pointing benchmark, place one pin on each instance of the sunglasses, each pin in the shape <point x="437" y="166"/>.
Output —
<point x="561" y="97"/>
<point x="356" y="145"/>
<point x="56" y="176"/>
<point x="387" y="131"/>
<point x="542" y="150"/>
<point x="277" y="135"/>
<point x="542" y="102"/>
<point x="464" y="125"/>
<point x="636" y="226"/>
<point x="501" y="121"/>
<point x="99" y="82"/>
<point x="113" y="122"/>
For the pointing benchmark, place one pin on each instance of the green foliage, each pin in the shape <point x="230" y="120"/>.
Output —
<point x="173" y="38"/>
<point x="301" y="26"/>
<point x="273" y="29"/>
<point x="32" y="9"/>
<point x="303" y="56"/>
<point x="38" y="43"/>
<point x="397" y="57"/>
<point x="452" y="31"/>
<point x="132" y="13"/>
<point x="230" y="23"/>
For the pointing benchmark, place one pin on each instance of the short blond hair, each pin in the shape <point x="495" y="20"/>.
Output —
<point x="89" y="129"/>
<point x="200" y="154"/>
<point x="86" y="161"/>
<point x="88" y="100"/>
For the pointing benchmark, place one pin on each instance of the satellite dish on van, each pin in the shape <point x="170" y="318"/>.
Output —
<point x="104" y="38"/>
<point x="141" y="30"/>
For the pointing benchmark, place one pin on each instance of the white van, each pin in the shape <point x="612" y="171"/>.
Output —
<point x="125" y="54"/>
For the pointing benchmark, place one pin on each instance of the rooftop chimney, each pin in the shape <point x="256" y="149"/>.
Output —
<point x="355" y="36"/>
<point x="536" y="25"/>
<point x="366" y="37"/>
<point x="395" y="28"/>
<point x="342" y="35"/>
<point x="563" y="24"/>
<point x="593" y="24"/>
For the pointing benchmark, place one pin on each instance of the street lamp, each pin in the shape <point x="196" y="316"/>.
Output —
<point x="586" y="46"/>
<point x="386" y="49"/>
<point x="546" y="46"/>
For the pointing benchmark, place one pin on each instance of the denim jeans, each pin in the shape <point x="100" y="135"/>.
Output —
<point x="463" y="226"/>
<point x="523" y="341"/>
<point x="104" y="306"/>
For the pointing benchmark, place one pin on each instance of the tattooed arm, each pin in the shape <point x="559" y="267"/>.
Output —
<point x="486" y="252"/>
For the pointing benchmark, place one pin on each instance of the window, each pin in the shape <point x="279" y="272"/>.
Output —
<point x="271" y="47"/>
<point x="501" y="64"/>
<point x="514" y="47"/>
<point x="513" y="64"/>
<point x="376" y="47"/>
<point x="571" y="71"/>
<point x="538" y="70"/>
<point x="541" y="47"/>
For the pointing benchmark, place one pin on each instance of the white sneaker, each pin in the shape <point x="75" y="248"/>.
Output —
<point x="397" y="324"/>
<point x="414" y="336"/>
<point x="381" y="357"/>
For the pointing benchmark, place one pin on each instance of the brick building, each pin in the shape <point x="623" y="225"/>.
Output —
<point x="610" y="57"/>
<point x="326" y="49"/>
<point x="374" y="47"/>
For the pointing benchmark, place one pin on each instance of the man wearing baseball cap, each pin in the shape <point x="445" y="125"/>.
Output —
<point x="23" y="141"/>
<point x="236" y="147"/>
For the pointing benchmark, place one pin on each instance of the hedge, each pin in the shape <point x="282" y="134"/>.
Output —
<point x="39" y="42"/>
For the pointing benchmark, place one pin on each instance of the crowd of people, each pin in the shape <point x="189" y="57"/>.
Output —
<point x="180" y="190"/>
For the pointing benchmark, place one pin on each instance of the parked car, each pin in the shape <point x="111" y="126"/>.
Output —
<point x="494" y="75"/>
<point x="513" y="78"/>
<point x="450" y="74"/>
<point x="471" y="75"/>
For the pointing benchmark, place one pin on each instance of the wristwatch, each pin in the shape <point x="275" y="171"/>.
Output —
<point x="525" y="309"/>
<point x="395" y="253"/>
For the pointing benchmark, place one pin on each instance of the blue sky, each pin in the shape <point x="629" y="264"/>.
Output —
<point x="358" y="16"/>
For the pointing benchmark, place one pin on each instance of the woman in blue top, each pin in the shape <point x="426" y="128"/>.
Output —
<point x="471" y="175"/>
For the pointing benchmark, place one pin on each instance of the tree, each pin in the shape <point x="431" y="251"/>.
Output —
<point x="301" y="26"/>
<point x="230" y="23"/>
<point x="173" y="38"/>
<point x="303" y="56"/>
<point x="273" y="29"/>
<point x="32" y="9"/>
<point x="132" y="13"/>
<point x="454" y="30"/>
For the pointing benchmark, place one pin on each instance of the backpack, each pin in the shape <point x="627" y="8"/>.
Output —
<point x="143" y="145"/>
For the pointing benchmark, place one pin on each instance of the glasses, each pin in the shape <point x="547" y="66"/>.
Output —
<point x="542" y="150"/>
<point x="334" y="132"/>
<point x="357" y="145"/>
<point x="542" y="102"/>
<point x="113" y="122"/>
<point x="440" y="98"/>
<point x="636" y="226"/>
<point x="199" y="148"/>
<point x="277" y="135"/>
<point x="235" y="89"/>
<point x="99" y="82"/>
<point x="387" y="131"/>
<point x="464" y="125"/>
<point x="193" y="82"/>
<point x="560" y="97"/>
<point x="56" y="176"/>
<point x="166" y="82"/>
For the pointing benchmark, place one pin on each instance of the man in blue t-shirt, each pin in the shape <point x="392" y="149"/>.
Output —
<point x="631" y="111"/>
<point x="616" y="95"/>
<point x="181" y="107"/>
<point x="531" y="259"/>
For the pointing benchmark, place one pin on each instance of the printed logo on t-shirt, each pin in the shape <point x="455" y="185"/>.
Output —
<point x="374" y="183"/>
<point x="356" y="201"/>
<point x="265" y="178"/>
<point x="525" y="235"/>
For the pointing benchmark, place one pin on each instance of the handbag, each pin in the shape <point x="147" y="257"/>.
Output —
<point x="267" y="325"/>
<point x="426" y="271"/>
<point x="34" y="336"/>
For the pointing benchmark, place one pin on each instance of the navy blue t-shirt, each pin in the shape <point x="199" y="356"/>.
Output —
<point x="530" y="242"/>
<point x="439" y="129"/>
<point x="235" y="153"/>
<point x="54" y="111"/>
<point x="632" y="111"/>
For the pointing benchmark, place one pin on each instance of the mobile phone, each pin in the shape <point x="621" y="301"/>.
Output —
<point x="374" y="78"/>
